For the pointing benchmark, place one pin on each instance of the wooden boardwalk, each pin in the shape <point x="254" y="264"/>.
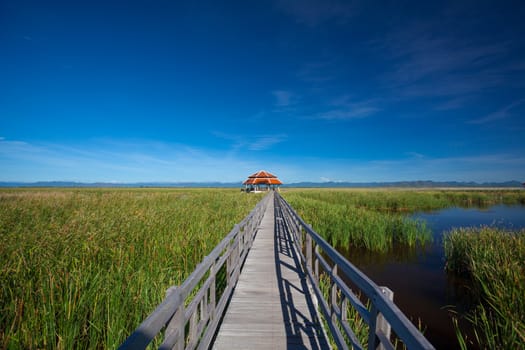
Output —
<point x="271" y="307"/>
<point x="269" y="304"/>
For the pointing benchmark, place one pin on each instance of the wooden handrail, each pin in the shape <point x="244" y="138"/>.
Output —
<point x="190" y="313"/>
<point x="383" y="314"/>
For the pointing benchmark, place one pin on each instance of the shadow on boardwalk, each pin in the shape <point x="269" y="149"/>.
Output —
<point x="302" y="325"/>
<point x="271" y="306"/>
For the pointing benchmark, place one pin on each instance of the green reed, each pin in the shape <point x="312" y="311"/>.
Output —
<point x="494" y="260"/>
<point x="374" y="219"/>
<point x="82" y="268"/>
<point x="351" y="218"/>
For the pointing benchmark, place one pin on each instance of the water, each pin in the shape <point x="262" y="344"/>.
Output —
<point x="422" y="288"/>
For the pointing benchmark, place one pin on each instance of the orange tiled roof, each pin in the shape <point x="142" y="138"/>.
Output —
<point x="262" y="174"/>
<point x="262" y="178"/>
<point x="266" y="181"/>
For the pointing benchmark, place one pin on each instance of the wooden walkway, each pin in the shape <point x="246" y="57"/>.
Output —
<point x="271" y="307"/>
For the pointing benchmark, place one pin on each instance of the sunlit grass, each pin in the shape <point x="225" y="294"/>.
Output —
<point x="82" y="268"/>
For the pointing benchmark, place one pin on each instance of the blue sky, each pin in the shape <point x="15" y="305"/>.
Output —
<point x="310" y="90"/>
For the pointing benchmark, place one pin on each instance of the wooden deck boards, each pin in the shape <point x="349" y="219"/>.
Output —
<point x="271" y="307"/>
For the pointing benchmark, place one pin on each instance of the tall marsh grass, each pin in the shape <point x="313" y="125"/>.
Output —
<point x="351" y="218"/>
<point x="494" y="260"/>
<point x="82" y="268"/>
<point x="374" y="219"/>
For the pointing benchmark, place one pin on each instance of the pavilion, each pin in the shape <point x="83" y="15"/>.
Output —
<point x="261" y="181"/>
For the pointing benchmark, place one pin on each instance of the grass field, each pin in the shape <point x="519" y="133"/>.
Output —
<point x="82" y="268"/>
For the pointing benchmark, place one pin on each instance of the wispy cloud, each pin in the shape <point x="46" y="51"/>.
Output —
<point x="453" y="103"/>
<point x="265" y="142"/>
<point x="502" y="113"/>
<point x="345" y="108"/>
<point x="313" y="13"/>
<point x="122" y="161"/>
<point x="283" y="98"/>
<point x="347" y="114"/>
<point x="251" y="143"/>
<point x="138" y="161"/>
<point x="429" y="60"/>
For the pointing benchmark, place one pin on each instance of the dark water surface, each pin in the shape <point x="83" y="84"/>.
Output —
<point x="422" y="288"/>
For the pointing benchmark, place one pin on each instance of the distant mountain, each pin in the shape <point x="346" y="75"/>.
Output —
<point x="402" y="184"/>
<point x="119" y="185"/>
<point x="406" y="184"/>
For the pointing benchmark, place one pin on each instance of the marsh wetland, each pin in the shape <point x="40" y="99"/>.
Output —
<point x="80" y="268"/>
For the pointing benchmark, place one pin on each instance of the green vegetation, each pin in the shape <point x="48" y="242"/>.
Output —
<point x="82" y="268"/>
<point x="349" y="218"/>
<point x="410" y="200"/>
<point x="373" y="218"/>
<point x="495" y="262"/>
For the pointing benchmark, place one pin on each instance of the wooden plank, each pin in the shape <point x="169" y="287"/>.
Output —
<point x="271" y="307"/>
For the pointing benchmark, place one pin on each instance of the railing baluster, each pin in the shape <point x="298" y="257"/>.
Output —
<point x="309" y="252"/>
<point x="180" y="325"/>
<point x="316" y="270"/>
<point x="372" y="337"/>
<point x="192" y="336"/>
<point x="333" y="294"/>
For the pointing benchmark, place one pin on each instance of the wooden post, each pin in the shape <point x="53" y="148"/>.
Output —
<point x="213" y="272"/>
<point x="382" y="325"/>
<point x="171" y="327"/>
<point x="334" y="294"/>
<point x="180" y="326"/>
<point x="344" y="308"/>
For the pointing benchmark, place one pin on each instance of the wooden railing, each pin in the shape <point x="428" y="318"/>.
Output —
<point x="321" y="261"/>
<point x="189" y="315"/>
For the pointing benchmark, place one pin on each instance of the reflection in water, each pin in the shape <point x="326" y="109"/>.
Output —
<point x="422" y="288"/>
<point x="399" y="253"/>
